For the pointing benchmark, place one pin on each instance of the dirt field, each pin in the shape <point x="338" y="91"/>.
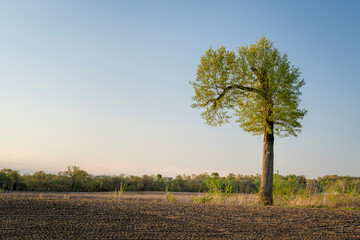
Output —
<point x="148" y="216"/>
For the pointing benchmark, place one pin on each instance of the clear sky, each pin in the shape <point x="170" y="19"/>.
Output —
<point x="104" y="85"/>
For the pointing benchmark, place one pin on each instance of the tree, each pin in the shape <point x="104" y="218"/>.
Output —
<point x="11" y="180"/>
<point x="260" y="88"/>
<point x="79" y="178"/>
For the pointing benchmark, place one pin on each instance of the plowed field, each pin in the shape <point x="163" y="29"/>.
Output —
<point x="29" y="217"/>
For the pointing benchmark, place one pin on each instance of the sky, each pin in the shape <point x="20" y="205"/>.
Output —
<point x="104" y="85"/>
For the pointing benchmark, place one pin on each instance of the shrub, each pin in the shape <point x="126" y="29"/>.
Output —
<point x="170" y="197"/>
<point x="219" y="190"/>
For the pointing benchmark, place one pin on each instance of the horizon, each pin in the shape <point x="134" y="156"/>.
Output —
<point x="105" y="86"/>
<point x="22" y="173"/>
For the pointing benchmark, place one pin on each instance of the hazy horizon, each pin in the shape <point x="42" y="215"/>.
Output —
<point x="105" y="86"/>
<point x="32" y="171"/>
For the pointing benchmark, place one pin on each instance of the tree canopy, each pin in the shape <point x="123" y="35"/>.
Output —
<point x="256" y="84"/>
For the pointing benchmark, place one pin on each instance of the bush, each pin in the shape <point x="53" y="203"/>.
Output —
<point x="219" y="189"/>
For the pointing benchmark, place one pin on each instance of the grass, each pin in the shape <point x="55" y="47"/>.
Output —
<point x="233" y="199"/>
<point x="302" y="199"/>
<point x="342" y="193"/>
<point x="203" y="199"/>
<point x="245" y="199"/>
<point x="320" y="200"/>
<point x="329" y="200"/>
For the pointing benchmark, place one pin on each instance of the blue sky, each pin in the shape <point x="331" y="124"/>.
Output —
<point x="104" y="85"/>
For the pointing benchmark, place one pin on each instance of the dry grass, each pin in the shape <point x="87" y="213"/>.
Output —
<point x="234" y="199"/>
<point x="246" y="199"/>
<point x="314" y="200"/>
<point x="325" y="200"/>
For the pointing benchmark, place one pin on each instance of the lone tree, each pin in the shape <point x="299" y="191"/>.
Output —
<point x="260" y="88"/>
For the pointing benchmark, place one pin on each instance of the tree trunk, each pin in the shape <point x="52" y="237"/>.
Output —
<point x="266" y="191"/>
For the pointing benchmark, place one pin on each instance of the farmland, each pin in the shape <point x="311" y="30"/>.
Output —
<point x="149" y="216"/>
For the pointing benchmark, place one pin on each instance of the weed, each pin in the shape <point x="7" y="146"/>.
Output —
<point x="203" y="199"/>
<point x="170" y="197"/>
<point x="119" y="192"/>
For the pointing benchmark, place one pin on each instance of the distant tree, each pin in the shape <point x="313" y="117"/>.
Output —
<point x="38" y="181"/>
<point x="80" y="179"/>
<point x="160" y="183"/>
<point x="4" y="179"/>
<point x="102" y="183"/>
<point x="11" y="180"/>
<point x="179" y="184"/>
<point x="118" y="181"/>
<point x="260" y="88"/>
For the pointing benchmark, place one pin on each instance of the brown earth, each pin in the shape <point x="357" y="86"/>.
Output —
<point x="58" y="216"/>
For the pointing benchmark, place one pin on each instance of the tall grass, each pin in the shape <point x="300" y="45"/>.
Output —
<point x="245" y="199"/>
<point x="336" y="193"/>
<point x="327" y="200"/>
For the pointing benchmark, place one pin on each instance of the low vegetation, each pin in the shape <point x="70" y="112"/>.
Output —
<point x="291" y="190"/>
<point x="119" y="192"/>
<point x="169" y="197"/>
<point x="329" y="191"/>
<point x="219" y="189"/>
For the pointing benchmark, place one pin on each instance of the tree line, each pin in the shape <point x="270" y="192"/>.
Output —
<point x="75" y="179"/>
<point x="78" y="180"/>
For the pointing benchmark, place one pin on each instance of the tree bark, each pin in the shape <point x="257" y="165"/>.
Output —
<point x="266" y="191"/>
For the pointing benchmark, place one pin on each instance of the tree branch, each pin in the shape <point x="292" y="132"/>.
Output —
<point x="227" y="89"/>
<point x="287" y="126"/>
<point x="256" y="72"/>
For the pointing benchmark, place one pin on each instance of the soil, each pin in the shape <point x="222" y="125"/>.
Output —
<point x="59" y="216"/>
